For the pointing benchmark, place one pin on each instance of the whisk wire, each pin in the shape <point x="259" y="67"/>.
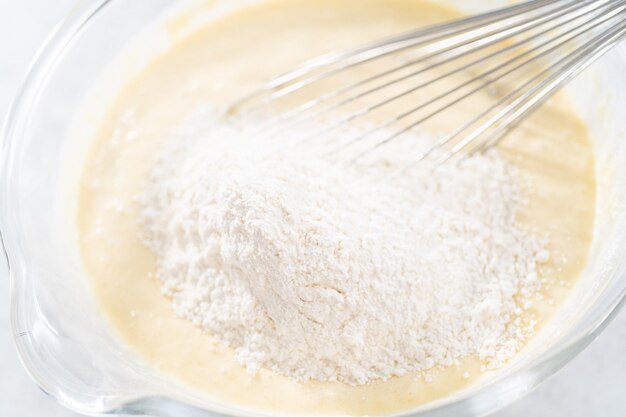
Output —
<point x="481" y="76"/>
<point x="532" y="101"/>
<point x="449" y="137"/>
<point x="535" y="46"/>
<point x="535" y="95"/>
<point x="481" y="41"/>
<point x="379" y="49"/>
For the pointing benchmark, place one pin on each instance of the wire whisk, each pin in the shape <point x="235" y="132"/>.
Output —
<point x="517" y="56"/>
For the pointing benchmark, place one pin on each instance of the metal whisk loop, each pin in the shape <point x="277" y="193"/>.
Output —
<point x="536" y="47"/>
<point x="477" y="42"/>
<point x="365" y="53"/>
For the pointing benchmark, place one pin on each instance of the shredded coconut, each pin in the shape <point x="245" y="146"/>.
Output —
<point x="319" y="269"/>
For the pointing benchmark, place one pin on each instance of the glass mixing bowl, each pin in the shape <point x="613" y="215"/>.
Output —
<point x="63" y="341"/>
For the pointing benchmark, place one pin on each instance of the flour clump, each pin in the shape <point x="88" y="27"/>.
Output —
<point x="322" y="269"/>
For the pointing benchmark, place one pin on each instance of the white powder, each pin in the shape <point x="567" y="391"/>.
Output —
<point x="335" y="271"/>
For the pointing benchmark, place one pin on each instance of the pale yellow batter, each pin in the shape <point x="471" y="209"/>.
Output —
<point x="205" y="68"/>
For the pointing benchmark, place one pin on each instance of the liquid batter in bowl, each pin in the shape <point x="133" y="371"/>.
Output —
<point x="225" y="60"/>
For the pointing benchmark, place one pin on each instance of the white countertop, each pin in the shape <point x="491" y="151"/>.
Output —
<point x="594" y="384"/>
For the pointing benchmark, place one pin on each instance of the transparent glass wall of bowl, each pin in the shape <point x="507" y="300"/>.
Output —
<point x="63" y="341"/>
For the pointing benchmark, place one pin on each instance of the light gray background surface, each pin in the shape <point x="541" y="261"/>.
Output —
<point x="594" y="384"/>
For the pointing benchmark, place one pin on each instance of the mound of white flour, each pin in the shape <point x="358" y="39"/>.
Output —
<point x="331" y="271"/>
